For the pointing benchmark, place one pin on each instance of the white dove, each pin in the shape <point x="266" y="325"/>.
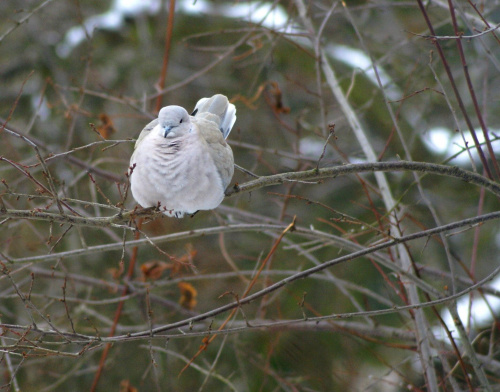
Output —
<point x="182" y="162"/>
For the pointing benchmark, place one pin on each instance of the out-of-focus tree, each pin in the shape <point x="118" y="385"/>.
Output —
<point x="358" y="246"/>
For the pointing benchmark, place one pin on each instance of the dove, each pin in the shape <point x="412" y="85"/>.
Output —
<point x="181" y="163"/>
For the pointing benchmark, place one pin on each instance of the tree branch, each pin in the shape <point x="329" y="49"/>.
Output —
<point x="121" y="220"/>
<point x="336" y="171"/>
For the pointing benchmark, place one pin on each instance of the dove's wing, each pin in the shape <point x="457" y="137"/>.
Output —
<point x="145" y="132"/>
<point x="216" y="146"/>
<point x="214" y="118"/>
<point x="219" y="106"/>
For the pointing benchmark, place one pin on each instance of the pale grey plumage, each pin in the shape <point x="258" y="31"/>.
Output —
<point x="183" y="162"/>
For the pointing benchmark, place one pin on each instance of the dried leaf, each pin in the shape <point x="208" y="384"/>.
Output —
<point x="188" y="295"/>
<point x="278" y="102"/>
<point x="125" y="386"/>
<point x="153" y="270"/>
<point x="116" y="273"/>
<point x="107" y="128"/>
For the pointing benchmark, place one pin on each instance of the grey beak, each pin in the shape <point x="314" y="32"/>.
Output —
<point x="167" y="130"/>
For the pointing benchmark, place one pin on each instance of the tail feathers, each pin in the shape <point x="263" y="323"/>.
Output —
<point x="228" y="120"/>
<point x="219" y="106"/>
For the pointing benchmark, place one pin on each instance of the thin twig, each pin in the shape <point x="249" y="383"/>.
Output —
<point x="166" y="52"/>
<point x="118" y="312"/>
<point x="303" y="274"/>
<point x="459" y="36"/>
<point x="120" y="220"/>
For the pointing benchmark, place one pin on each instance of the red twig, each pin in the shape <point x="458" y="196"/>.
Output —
<point x="473" y="94"/>
<point x="118" y="313"/>
<point x="166" y="54"/>
<point x="455" y="89"/>
<point x="207" y="341"/>
<point x="11" y="112"/>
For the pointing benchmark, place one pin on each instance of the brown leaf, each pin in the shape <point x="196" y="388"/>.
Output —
<point x="116" y="273"/>
<point x="278" y="102"/>
<point x="125" y="386"/>
<point x="153" y="270"/>
<point x="107" y="128"/>
<point x="188" y="295"/>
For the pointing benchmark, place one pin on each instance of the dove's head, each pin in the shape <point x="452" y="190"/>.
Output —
<point x="173" y="121"/>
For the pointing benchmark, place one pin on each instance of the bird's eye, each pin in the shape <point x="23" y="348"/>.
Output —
<point x="181" y="121"/>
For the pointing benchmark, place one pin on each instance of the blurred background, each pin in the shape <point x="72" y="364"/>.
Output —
<point x="80" y="80"/>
